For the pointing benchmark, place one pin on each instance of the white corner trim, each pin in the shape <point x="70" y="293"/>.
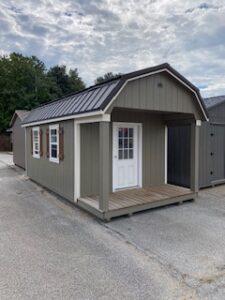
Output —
<point x="198" y="122"/>
<point x="88" y="116"/>
<point x="140" y="145"/>
<point x="76" y="161"/>
<point x="166" y="153"/>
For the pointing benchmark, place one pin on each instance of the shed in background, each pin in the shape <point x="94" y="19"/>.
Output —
<point x="211" y="148"/>
<point x="18" y="137"/>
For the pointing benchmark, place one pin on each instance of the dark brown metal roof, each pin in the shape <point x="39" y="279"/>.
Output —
<point x="97" y="97"/>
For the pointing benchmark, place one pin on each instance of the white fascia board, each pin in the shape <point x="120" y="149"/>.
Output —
<point x="155" y="72"/>
<point x="96" y="116"/>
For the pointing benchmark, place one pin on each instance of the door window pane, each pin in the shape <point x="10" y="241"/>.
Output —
<point x="120" y="143"/>
<point x="131" y="132"/>
<point x="125" y="145"/>
<point x="120" y="132"/>
<point x="125" y="132"/>
<point x="131" y="154"/>
<point x="125" y="154"/>
<point x="131" y="143"/>
<point x="120" y="154"/>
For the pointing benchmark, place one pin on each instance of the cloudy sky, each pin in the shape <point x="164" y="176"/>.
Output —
<point x="121" y="36"/>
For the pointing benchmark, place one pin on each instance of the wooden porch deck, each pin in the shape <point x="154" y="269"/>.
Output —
<point x="137" y="199"/>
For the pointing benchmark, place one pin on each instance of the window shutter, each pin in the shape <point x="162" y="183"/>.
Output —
<point x="31" y="141"/>
<point x="47" y="143"/>
<point x="61" y="143"/>
<point x="41" y="143"/>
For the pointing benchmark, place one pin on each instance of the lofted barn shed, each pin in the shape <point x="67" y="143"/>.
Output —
<point x="105" y="148"/>
<point x="18" y="137"/>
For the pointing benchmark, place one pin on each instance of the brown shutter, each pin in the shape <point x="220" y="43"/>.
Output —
<point x="41" y="142"/>
<point x="47" y="143"/>
<point x="31" y="141"/>
<point x="61" y="143"/>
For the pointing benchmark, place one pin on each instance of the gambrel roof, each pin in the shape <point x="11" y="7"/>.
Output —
<point x="97" y="98"/>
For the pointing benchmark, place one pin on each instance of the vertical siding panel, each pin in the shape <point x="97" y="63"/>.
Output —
<point x="19" y="144"/>
<point x="56" y="177"/>
<point x="144" y="93"/>
<point x="153" y="144"/>
<point x="89" y="159"/>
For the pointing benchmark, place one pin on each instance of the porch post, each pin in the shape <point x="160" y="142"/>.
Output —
<point x="104" y="165"/>
<point x="195" y="156"/>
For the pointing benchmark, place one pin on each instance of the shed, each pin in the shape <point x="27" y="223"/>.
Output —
<point x="105" y="148"/>
<point x="18" y="137"/>
<point x="212" y="148"/>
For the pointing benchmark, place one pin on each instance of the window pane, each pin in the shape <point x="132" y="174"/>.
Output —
<point x="125" y="143"/>
<point x="120" y="132"/>
<point x="131" y="143"/>
<point x="131" y="132"/>
<point x="125" y="132"/>
<point x="120" y="154"/>
<point x="53" y="139"/>
<point x="54" y="151"/>
<point x="120" y="143"/>
<point x="131" y="154"/>
<point x="53" y="131"/>
<point x="125" y="154"/>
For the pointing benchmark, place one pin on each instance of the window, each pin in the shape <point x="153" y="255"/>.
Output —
<point x="126" y="143"/>
<point x="54" y="143"/>
<point x="36" y="142"/>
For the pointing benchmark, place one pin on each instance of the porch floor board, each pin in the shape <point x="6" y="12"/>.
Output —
<point x="138" y="196"/>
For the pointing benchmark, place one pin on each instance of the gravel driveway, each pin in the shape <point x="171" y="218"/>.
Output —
<point x="50" y="249"/>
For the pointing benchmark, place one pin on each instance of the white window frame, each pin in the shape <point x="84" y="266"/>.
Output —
<point x="36" y="155"/>
<point x="53" y="159"/>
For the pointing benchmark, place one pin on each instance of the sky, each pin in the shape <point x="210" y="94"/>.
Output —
<point x="121" y="36"/>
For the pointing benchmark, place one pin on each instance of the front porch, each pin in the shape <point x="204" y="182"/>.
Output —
<point x="127" y="202"/>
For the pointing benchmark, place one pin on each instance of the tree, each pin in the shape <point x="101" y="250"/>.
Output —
<point x="66" y="82"/>
<point x="106" y="77"/>
<point x="25" y="83"/>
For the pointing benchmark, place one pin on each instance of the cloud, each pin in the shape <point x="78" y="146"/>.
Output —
<point x="120" y="36"/>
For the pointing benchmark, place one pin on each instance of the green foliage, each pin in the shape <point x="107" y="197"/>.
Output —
<point x="106" y="76"/>
<point x="25" y="83"/>
<point x="66" y="83"/>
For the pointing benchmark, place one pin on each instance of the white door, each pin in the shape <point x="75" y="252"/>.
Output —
<point x="125" y="155"/>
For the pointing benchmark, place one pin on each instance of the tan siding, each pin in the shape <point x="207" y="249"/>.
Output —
<point x="153" y="151"/>
<point x="56" y="177"/>
<point x="153" y="160"/>
<point x="18" y="144"/>
<point x="89" y="159"/>
<point x="144" y="93"/>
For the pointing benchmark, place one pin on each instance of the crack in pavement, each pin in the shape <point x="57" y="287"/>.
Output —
<point x="191" y="282"/>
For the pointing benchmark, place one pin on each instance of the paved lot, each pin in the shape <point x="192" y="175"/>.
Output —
<point x="49" y="249"/>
